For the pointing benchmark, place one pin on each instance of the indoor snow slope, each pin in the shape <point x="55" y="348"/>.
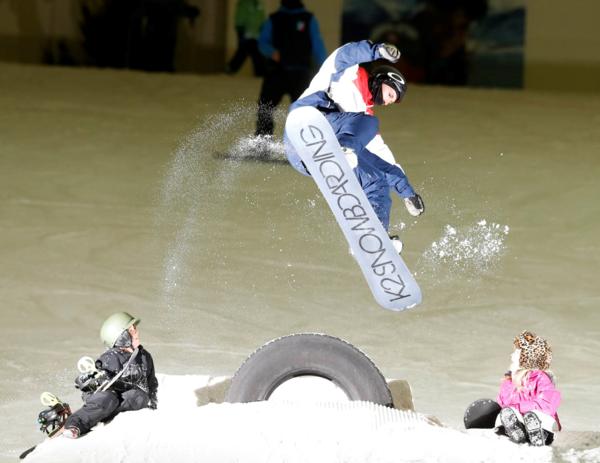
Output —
<point x="147" y="193"/>
<point x="284" y="431"/>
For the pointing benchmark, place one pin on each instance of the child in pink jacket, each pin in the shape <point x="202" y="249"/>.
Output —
<point x="528" y="395"/>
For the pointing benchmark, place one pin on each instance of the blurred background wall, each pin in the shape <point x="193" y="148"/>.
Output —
<point x="562" y="47"/>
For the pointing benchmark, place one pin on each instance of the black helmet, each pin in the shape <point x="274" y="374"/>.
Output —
<point x="387" y="75"/>
<point x="53" y="418"/>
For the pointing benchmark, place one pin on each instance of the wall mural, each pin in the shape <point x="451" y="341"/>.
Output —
<point x="446" y="42"/>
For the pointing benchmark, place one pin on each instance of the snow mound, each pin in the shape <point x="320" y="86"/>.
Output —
<point x="190" y="427"/>
<point x="280" y="432"/>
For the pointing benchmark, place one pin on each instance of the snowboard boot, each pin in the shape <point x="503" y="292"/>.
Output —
<point x="397" y="243"/>
<point x="533" y="428"/>
<point x="512" y="426"/>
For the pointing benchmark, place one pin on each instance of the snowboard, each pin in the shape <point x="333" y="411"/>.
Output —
<point x="391" y="282"/>
<point x="50" y="401"/>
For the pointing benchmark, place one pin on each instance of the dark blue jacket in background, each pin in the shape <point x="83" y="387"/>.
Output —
<point x="295" y="33"/>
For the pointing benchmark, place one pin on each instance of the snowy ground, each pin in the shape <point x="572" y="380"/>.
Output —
<point x="131" y="191"/>
<point x="283" y="431"/>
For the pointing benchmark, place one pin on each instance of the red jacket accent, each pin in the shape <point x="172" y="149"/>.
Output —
<point x="362" y="84"/>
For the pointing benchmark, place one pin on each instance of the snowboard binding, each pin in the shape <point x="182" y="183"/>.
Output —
<point x="53" y="417"/>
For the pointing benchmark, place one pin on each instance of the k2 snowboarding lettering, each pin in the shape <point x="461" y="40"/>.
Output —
<point x="353" y="211"/>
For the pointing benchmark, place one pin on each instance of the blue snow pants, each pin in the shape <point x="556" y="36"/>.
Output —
<point x="355" y="131"/>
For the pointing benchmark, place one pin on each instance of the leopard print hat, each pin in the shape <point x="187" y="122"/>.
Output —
<point x="536" y="353"/>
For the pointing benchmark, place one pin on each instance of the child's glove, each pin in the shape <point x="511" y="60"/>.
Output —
<point x="415" y="205"/>
<point x="389" y="52"/>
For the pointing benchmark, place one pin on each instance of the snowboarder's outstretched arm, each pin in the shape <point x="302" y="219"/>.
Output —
<point x="346" y="56"/>
<point x="363" y="51"/>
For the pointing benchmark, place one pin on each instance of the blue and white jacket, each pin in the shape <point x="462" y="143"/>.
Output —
<point x="341" y="85"/>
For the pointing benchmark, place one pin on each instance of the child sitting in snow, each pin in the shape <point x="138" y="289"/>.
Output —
<point x="123" y="379"/>
<point x="528" y="396"/>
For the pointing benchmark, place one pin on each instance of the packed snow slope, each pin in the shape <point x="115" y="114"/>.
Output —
<point x="283" y="431"/>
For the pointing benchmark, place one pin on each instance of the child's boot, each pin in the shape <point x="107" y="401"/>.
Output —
<point x="512" y="427"/>
<point x="533" y="428"/>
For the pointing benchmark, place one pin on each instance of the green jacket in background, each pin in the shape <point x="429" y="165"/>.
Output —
<point x="249" y="16"/>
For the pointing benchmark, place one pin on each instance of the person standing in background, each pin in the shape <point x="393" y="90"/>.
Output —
<point x="249" y="16"/>
<point x="292" y="42"/>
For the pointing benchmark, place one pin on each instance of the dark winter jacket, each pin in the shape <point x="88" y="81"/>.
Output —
<point x="139" y="373"/>
<point x="294" y="32"/>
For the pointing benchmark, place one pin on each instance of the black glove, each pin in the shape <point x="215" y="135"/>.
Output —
<point x="153" y="405"/>
<point x="414" y="205"/>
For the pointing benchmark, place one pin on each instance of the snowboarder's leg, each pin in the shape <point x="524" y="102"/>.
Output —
<point x="354" y="132"/>
<point x="271" y="93"/>
<point x="240" y="54"/>
<point x="297" y="81"/>
<point x="97" y="408"/>
<point x="377" y="191"/>
<point x="258" y="59"/>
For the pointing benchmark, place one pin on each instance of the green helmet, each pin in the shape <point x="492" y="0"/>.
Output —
<point x="114" y="325"/>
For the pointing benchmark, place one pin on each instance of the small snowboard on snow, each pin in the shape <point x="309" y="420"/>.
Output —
<point x="51" y="419"/>
<point x="390" y="280"/>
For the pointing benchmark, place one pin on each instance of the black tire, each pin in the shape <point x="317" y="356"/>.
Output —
<point x="309" y="354"/>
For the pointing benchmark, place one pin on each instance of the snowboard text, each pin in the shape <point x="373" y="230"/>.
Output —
<point x="353" y="211"/>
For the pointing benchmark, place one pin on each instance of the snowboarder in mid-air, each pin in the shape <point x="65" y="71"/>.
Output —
<point x="122" y="378"/>
<point x="345" y="93"/>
